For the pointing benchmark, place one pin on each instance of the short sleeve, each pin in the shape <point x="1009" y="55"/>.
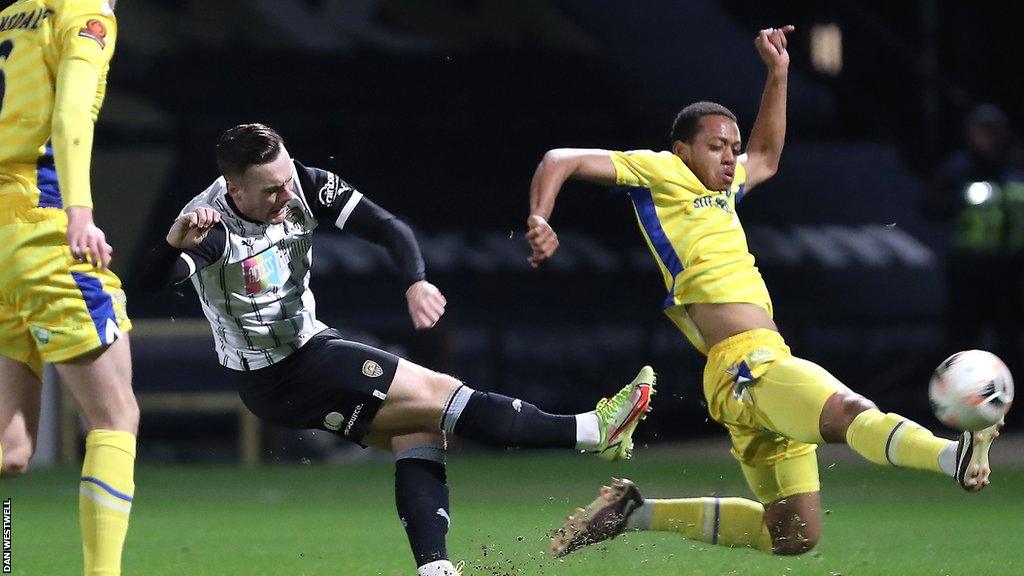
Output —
<point x="641" y="168"/>
<point x="86" y="30"/>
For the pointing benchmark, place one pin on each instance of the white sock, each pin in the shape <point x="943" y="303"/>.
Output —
<point x="947" y="459"/>
<point x="588" y="431"/>
<point x="640" y="518"/>
<point x="437" y="568"/>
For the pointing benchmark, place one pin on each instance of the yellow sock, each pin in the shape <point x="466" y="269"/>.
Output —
<point x="890" y="439"/>
<point x="105" y="499"/>
<point x="733" y="522"/>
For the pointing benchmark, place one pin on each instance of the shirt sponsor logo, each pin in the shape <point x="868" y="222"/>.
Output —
<point x="95" y="30"/>
<point x="352" y="420"/>
<point x="372" y="369"/>
<point x="25" y="20"/>
<point x="709" y="201"/>
<point x="332" y="189"/>
<point x="261" y="272"/>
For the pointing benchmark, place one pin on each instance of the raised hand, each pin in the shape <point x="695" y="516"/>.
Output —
<point x="771" y="45"/>
<point x="191" y="228"/>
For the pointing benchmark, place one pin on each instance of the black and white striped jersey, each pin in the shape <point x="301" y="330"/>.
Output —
<point x="252" y="278"/>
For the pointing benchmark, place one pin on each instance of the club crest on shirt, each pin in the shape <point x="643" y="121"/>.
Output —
<point x="95" y="30"/>
<point x="372" y="369"/>
<point x="41" y="334"/>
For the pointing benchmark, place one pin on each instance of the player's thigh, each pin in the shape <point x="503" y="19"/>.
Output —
<point x="101" y="382"/>
<point x="788" y="398"/>
<point x="20" y="390"/>
<point x="773" y="465"/>
<point x="416" y="400"/>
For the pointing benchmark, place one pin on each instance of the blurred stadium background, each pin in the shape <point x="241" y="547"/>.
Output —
<point x="439" y="110"/>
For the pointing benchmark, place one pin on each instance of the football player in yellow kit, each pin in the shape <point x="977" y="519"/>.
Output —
<point x="59" y="302"/>
<point x="776" y="407"/>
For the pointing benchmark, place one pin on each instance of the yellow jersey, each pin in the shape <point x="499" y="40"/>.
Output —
<point x="36" y="36"/>
<point x="694" y="234"/>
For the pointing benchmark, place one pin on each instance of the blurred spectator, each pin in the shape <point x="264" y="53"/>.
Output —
<point x="980" y="191"/>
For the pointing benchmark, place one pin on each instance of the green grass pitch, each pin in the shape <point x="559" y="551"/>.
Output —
<point x="329" y="520"/>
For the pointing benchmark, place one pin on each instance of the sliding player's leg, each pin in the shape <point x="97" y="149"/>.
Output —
<point x="792" y="391"/>
<point x="785" y="519"/>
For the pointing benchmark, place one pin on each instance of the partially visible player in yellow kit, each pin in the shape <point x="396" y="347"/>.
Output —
<point x="776" y="407"/>
<point x="59" y="303"/>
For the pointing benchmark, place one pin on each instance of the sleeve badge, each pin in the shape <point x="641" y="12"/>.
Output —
<point x="95" y="30"/>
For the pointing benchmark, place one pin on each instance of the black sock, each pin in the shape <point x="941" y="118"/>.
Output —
<point x="421" y="496"/>
<point x="505" y="422"/>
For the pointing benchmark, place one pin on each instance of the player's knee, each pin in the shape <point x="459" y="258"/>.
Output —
<point x="440" y="386"/>
<point x="853" y="405"/>
<point x="839" y="412"/>
<point x="15" y="461"/>
<point x="120" y="412"/>
<point x="794" y="545"/>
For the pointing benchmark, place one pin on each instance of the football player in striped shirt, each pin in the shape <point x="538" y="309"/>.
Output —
<point x="776" y="407"/>
<point x="246" y="244"/>
<point x="59" y="302"/>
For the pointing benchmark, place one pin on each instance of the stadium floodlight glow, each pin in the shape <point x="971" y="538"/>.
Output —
<point x="978" y="193"/>
<point x="827" y="48"/>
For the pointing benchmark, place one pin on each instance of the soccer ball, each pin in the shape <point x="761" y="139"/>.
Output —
<point x="971" y="390"/>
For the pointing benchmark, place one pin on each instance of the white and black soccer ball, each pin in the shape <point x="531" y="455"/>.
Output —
<point x="971" y="390"/>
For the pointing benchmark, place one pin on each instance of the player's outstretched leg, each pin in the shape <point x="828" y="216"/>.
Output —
<point x="508" y="422"/>
<point x="804" y="402"/>
<point x="972" y="467"/>
<point x="733" y="522"/>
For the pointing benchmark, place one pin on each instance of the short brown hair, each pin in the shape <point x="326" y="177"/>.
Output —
<point x="687" y="122"/>
<point x="246" y="145"/>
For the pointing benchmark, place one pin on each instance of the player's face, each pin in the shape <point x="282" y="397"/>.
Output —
<point x="712" y="153"/>
<point x="264" y="190"/>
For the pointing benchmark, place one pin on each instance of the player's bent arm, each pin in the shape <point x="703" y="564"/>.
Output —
<point x="371" y="222"/>
<point x="561" y="164"/>
<point x="72" y="129"/>
<point x="166" y="264"/>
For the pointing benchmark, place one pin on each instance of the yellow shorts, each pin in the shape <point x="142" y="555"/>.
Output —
<point x="52" y="308"/>
<point x="770" y="401"/>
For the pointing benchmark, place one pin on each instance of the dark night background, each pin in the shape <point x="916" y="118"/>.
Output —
<point x="440" y="110"/>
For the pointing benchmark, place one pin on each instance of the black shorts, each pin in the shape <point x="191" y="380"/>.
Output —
<point x="329" y="384"/>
